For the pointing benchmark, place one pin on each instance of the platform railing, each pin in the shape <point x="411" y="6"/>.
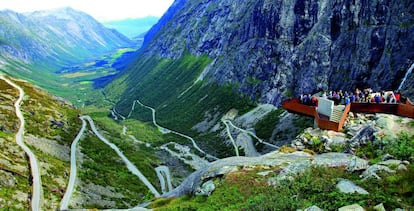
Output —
<point x="401" y="109"/>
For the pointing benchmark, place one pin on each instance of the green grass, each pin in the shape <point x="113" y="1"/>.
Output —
<point x="401" y="147"/>
<point x="105" y="168"/>
<point x="3" y="134"/>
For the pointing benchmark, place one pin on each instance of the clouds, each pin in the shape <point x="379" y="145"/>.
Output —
<point x="102" y="10"/>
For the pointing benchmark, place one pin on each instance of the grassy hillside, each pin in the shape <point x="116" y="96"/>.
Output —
<point x="51" y="125"/>
<point x="170" y="87"/>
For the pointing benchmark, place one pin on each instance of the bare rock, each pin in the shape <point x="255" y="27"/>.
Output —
<point x="365" y="135"/>
<point x="380" y="207"/>
<point x="374" y="169"/>
<point x="206" y="189"/>
<point x="346" y="186"/>
<point x="353" y="207"/>
<point x="356" y="164"/>
<point x="332" y="159"/>
<point x="313" y="208"/>
<point x="387" y="157"/>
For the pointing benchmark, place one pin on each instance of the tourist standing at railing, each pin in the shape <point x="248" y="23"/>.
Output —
<point x="347" y="101"/>
<point x="391" y="98"/>
<point x="352" y="97"/>
<point x="377" y="98"/>
<point x="398" y="96"/>
<point x="301" y="98"/>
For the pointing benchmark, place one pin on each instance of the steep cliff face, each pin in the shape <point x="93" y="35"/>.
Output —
<point x="276" y="48"/>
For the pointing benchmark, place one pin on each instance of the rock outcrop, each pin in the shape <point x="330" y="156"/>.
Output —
<point x="289" y="163"/>
<point x="346" y="186"/>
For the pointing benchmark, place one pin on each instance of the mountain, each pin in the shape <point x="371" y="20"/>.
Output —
<point x="132" y="27"/>
<point x="205" y="57"/>
<point x="33" y="45"/>
<point x="275" y="49"/>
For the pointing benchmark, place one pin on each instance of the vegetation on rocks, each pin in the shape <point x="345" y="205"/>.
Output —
<point x="247" y="190"/>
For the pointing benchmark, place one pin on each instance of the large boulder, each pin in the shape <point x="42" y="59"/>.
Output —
<point x="206" y="189"/>
<point x="365" y="135"/>
<point x="346" y="186"/>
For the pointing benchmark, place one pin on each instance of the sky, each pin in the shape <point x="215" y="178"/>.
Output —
<point x="102" y="10"/>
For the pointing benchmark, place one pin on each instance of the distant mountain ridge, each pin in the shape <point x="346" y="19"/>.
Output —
<point x="132" y="27"/>
<point x="49" y="39"/>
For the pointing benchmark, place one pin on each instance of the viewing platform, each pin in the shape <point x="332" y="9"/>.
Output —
<point x="330" y="117"/>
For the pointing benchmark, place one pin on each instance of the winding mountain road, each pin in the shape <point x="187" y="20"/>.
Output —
<point x="69" y="190"/>
<point x="175" y="132"/>
<point x="252" y="134"/>
<point x="34" y="166"/>
<point x="236" y="149"/>
<point x="131" y="167"/>
<point x="163" y="174"/>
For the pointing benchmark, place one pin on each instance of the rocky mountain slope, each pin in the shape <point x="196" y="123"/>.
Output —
<point x="32" y="45"/>
<point x="275" y="49"/>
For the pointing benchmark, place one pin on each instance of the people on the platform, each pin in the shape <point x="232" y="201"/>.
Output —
<point x="347" y="100"/>
<point x="308" y="99"/>
<point x="398" y="96"/>
<point x="346" y="97"/>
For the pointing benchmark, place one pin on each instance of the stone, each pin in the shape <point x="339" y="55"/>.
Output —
<point x="325" y="139"/>
<point x="338" y="141"/>
<point x="387" y="157"/>
<point x="353" y="207"/>
<point x="334" y="159"/>
<point x="346" y="186"/>
<point x="356" y="164"/>
<point x="313" y="208"/>
<point x="374" y="169"/>
<point x="363" y="136"/>
<point x="402" y="167"/>
<point x="391" y="163"/>
<point x="384" y="121"/>
<point x="380" y="207"/>
<point x="206" y="189"/>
